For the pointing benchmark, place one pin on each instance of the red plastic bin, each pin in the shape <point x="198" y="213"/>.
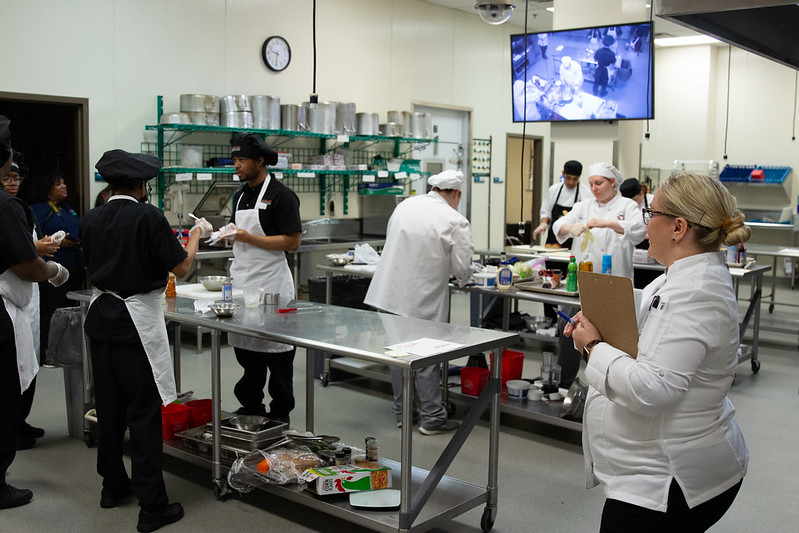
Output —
<point x="199" y="412"/>
<point x="174" y="419"/>
<point x="473" y="380"/>
<point x="512" y="363"/>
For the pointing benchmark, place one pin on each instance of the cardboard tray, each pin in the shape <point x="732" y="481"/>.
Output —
<point x="536" y="286"/>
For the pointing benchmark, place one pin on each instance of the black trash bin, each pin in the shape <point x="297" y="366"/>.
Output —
<point x="348" y="291"/>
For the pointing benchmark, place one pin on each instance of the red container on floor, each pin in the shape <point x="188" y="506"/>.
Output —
<point x="199" y="412"/>
<point x="473" y="380"/>
<point x="512" y="363"/>
<point x="174" y="419"/>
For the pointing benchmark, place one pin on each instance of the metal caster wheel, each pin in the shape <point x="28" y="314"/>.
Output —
<point x="325" y="379"/>
<point x="221" y="493"/>
<point x="755" y="366"/>
<point x="450" y="409"/>
<point x="487" y="521"/>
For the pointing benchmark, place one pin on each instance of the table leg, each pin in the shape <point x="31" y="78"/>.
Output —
<point x="406" y="448"/>
<point x="309" y="391"/>
<point x="757" y="291"/>
<point x="328" y="287"/>
<point x="220" y="483"/>
<point x="176" y="355"/>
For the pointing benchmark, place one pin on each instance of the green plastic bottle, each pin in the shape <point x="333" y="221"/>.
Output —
<point x="571" y="278"/>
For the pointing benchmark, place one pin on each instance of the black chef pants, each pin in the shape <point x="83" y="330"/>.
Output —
<point x="126" y="396"/>
<point x="250" y="388"/>
<point x="10" y="395"/>
<point x="622" y="517"/>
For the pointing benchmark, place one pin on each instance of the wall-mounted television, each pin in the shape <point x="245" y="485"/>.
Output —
<point x="596" y="73"/>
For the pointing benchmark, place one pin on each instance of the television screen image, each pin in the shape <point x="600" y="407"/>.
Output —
<point x="597" y="73"/>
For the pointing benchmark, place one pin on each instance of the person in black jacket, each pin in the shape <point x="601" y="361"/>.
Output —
<point x="604" y="57"/>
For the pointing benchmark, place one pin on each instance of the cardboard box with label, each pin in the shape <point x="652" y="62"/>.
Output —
<point x="347" y="478"/>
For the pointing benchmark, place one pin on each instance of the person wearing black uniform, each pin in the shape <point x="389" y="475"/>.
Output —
<point x="266" y="214"/>
<point x="129" y="249"/>
<point x="20" y="268"/>
<point x="560" y="199"/>
<point x="631" y="188"/>
<point x="604" y="57"/>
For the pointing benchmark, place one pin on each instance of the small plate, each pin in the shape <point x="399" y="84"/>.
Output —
<point x="376" y="499"/>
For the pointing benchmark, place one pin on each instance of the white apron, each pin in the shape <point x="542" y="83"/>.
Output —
<point x="32" y="312"/>
<point x="148" y="318"/>
<point x="267" y="269"/>
<point x="17" y="295"/>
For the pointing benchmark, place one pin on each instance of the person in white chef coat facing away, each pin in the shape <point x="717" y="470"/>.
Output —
<point x="659" y="432"/>
<point x="427" y="241"/>
<point x="130" y="249"/>
<point x="266" y="214"/>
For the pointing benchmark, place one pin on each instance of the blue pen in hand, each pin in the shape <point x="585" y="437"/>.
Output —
<point x="566" y="317"/>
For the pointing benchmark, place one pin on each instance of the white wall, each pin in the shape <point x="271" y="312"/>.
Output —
<point x="380" y="54"/>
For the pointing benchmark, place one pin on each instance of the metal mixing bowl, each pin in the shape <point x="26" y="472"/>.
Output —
<point x="249" y="422"/>
<point x="224" y="309"/>
<point x="214" y="283"/>
<point x="338" y="259"/>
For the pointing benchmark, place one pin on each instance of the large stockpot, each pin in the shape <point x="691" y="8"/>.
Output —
<point x="422" y="125"/>
<point x="293" y="117"/>
<point x="345" y="118"/>
<point x="199" y="103"/>
<point x="236" y="119"/>
<point x="234" y="103"/>
<point x="367" y="124"/>
<point x="203" y="119"/>
<point x="391" y="129"/>
<point x="403" y="118"/>
<point x="322" y="118"/>
<point x="265" y="111"/>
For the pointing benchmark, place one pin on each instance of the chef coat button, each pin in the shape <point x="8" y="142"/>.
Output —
<point x="661" y="374"/>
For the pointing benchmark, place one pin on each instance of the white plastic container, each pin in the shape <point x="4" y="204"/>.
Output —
<point x="517" y="388"/>
<point x="485" y="279"/>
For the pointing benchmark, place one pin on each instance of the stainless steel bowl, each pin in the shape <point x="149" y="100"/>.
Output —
<point x="224" y="309"/>
<point x="338" y="259"/>
<point x="214" y="283"/>
<point x="249" y="422"/>
<point x="537" y="322"/>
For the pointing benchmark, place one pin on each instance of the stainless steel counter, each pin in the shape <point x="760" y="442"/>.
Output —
<point x="365" y="335"/>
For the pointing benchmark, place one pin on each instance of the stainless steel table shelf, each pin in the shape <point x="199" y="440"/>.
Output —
<point x="427" y="498"/>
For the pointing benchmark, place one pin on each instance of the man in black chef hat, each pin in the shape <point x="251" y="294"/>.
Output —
<point x="267" y="217"/>
<point x="20" y="268"/>
<point x="130" y="249"/>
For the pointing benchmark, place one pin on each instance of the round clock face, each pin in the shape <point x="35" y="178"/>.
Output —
<point x="276" y="53"/>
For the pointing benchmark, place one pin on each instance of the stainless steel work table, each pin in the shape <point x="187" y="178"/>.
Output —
<point x="427" y="498"/>
<point x="775" y="252"/>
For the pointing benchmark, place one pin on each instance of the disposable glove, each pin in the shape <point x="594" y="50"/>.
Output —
<point x="205" y="227"/>
<point x="541" y="228"/>
<point x="61" y="276"/>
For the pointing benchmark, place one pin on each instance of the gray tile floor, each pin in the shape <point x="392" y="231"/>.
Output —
<point x="541" y="471"/>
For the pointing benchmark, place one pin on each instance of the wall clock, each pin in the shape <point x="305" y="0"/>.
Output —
<point x="276" y="53"/>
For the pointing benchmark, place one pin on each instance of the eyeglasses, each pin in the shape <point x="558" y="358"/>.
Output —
<point x="648" y="213"/>
<point x="9" y="179"/>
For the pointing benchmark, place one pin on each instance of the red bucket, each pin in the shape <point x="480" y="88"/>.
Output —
<point x="199" y="412"/>
<point x="473" y="380"/>
<point x="512" y="363"/>
<point x="174" y="419"/>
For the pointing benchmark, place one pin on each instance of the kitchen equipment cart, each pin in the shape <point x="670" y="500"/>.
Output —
<point x="427" y="498"/>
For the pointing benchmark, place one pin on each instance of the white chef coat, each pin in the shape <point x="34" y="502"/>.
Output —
<point x="572" y="75"/>
<point x="267" y="269"/>
<point x="666" y="414"/>
<point x="426" y="242"/>
<point x="566" y="198"/>
<point x="606" y="241"/>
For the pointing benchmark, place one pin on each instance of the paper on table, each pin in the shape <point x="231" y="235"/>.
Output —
<point x="423" y="346"/>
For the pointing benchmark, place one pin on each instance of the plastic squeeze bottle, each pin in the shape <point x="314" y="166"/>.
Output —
<point x="571" y="278"/>
<point x="607" y="264"/>
<point x="504" y="276"/>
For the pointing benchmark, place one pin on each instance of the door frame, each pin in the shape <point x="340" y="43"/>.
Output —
<point x="536" y="144"/>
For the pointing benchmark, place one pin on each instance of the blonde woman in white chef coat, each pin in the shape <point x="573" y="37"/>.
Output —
<point x="427" y="241"/>
<point x="267" y="217"/>
<point x="609" y="224"/>
<point x="659" y="431"/>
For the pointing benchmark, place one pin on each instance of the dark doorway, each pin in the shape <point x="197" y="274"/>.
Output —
<point x="52" y="133"/>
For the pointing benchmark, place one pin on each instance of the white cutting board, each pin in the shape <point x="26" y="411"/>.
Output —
<point x="198" y="292"/>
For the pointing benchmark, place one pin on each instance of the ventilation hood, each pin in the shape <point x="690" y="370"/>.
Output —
<point x="764" y="27"/>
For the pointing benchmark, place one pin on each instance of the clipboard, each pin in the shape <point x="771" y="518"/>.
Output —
<point x="609" y="303"/>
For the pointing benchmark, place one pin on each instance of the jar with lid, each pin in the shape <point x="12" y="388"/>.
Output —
<point x="372" y="445"/>
<point x="586" y="265"/>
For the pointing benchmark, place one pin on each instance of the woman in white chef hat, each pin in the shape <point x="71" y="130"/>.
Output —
<point x="607" y="224"/>
<point x="613" y="223"/>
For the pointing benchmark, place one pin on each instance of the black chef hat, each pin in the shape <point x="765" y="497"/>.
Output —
<point x="608" y="40"/>
<point x="18" y="164"/>
<point x="573" y="168"/>
<point x="5" y="140"/>
<point x="252" y="146"/>
<point x="119" y="168"/>
<point x="630" y="187"/>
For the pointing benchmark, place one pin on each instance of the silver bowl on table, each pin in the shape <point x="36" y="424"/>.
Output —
<point x="214" y="283"/>
<point x="224" y="309"/>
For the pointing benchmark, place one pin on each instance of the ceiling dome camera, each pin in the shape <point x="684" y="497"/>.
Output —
<point x="494" y="12"/>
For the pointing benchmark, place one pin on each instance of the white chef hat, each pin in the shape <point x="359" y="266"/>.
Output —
<point x="606" y="170"/>
<point x="566" y="61"/>
<point x="449" y="179"/>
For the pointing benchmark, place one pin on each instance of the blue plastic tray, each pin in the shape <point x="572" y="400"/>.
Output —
<point x="741" y="173"/>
